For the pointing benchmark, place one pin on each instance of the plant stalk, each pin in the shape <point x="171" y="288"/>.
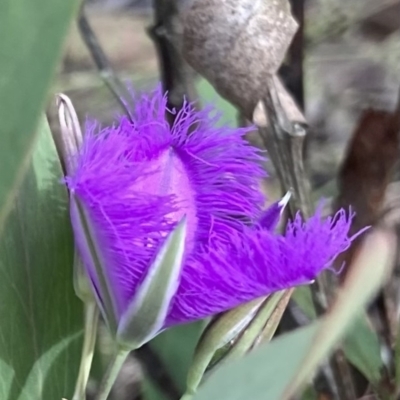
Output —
<point x="103" y="64"/>
<point x="89" y="341"/>
<point x="112" y="373"/>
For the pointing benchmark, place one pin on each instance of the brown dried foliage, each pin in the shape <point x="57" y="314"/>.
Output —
<point x="367" y="169"/>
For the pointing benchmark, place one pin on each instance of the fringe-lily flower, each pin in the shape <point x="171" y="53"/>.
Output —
<point x="137" y="180"/>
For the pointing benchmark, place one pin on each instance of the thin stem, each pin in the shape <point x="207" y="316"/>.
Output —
<point x="89" y="341"/>
<point x="103" y="64"/>
<point x="112" y="373"/>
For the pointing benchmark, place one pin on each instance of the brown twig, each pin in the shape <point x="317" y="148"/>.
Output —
<point x="292" y="71"/>
<point x="176" y="75"/>
<point x="284" y="142"/>
<point x="102" y="62"/>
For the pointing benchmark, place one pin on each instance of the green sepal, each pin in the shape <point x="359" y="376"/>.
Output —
<point x="222" y="329"/>
<point x="146" y="314"/>
<point x="107" y="302"/>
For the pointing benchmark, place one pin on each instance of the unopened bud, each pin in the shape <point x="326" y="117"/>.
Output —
<point x="69" y="140"/>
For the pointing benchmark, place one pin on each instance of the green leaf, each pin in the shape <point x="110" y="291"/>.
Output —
<point x="303" y="298"/>
<point x="362" y="348"/>
<point x="31" y="34"/>
<point x="41" y="318"/>
<point x="361" y="345"/>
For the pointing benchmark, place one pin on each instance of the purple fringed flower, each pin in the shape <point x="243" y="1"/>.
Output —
<point x="137" y="180"/>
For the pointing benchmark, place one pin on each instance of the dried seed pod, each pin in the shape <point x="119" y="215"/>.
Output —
<point x="238" y="44"/>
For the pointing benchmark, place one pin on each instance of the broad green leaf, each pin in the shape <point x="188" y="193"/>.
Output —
<point x="7" y="376"/>
<point x="361" y="344"/>
<point x="31" y="33"/>
<point x="46" y="362"/>
<point x="303" y="298"/>
<point x="40" y="316"/>
<point x="362" y="348"/>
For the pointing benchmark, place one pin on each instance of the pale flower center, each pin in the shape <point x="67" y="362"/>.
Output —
<point x="167" y="175"/>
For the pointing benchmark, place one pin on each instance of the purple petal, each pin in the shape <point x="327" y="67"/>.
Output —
<point x="271" y="216"/>
<point x="138" y="179"/>
<point x="256" y="263"/>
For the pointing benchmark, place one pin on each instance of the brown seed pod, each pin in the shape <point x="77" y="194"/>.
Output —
<point x="237" y="45"/>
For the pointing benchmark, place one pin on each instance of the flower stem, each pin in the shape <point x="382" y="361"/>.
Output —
<point x="89" y="341"/>
<point x="187" y="396"/>
<point x="112" y="373"/>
